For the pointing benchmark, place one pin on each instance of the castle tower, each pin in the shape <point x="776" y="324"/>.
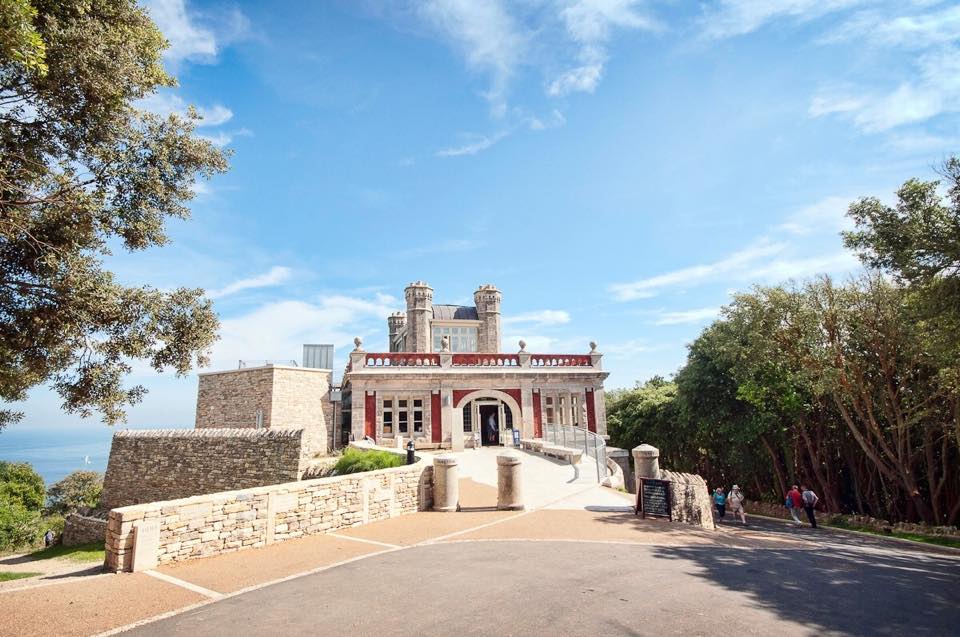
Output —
<point x="419" y="297"/>
<point x="487" y="299"/>
<point x="395" y="325"/>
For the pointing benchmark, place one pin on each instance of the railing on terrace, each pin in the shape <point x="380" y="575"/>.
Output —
<point x="402" y="359"/>
<point x="521" y="360"/>
<point x="485" y="360"/>
<point x="561" y="360"/>
<point x="593" y="445"/>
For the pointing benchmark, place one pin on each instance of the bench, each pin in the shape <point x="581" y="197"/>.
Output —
<point x="562" y="453"/>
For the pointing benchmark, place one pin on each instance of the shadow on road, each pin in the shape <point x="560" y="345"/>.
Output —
<point x="840" y="583"/>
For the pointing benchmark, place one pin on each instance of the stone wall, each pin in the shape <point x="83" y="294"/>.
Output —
<point x="82" y="529"/>
<point x="690" y="499"/>
<point x="142" y="536"/>
<point x="286" y="397"/>
<point x="165" y="464"/>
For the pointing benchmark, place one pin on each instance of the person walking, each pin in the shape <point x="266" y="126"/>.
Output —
<point x="48" y="538"/>
<point x="720" y="501"/>
<point x="736" y="500"/>
<point x="794" y="503"/>
<point x="810" y="500"/>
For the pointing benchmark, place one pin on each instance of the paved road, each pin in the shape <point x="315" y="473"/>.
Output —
<point x="844" y="584"/>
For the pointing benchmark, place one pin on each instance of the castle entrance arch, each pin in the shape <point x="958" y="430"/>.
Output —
<point x="485" y="417"/>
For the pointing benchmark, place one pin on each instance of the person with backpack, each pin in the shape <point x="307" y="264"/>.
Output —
<point x="736" y="500"/>
<point x="794" y="503"/>
<point x="810" y="500"/>
<point x="720" y="501"/>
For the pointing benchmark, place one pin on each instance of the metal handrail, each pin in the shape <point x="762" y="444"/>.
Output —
<point x="579" y="437"/>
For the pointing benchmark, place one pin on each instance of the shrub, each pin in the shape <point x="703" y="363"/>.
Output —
<point x="78" y="490"/>
<point x="20" y="484"/>
<point x="355" y="461"/>
<point x="18" y="525"/>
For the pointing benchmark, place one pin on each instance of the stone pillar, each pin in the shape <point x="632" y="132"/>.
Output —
<point x="622" y="458"/>
<point x="646" y="462"/>
<point x="455" y="419"/>
<point x="526" y="406"/>
<point x="509" y="482"/>
<point x="419" y="298"/>
<point x="446" y="483"/>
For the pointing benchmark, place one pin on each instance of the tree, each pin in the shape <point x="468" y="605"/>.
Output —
<point x="80" y="489"/>
<point x="21" y="484"/>
<point x="83" y="171"/>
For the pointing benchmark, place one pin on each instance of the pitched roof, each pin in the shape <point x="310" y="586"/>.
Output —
<point x="455" y="313"/>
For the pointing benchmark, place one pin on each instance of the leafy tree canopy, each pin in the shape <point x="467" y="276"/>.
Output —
<point x="80" y="489"/>
<point x="83" y="170"/>
<point x="21" y="485"/>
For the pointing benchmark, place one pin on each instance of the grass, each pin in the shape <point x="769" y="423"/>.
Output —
<point x="355" y="461"/>
<point x="938" y="540"/>
<point x="81" y="553"/>
<point x="6" y="577"/>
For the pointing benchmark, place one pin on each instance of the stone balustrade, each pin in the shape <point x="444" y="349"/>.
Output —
<point x="521" y="360"/>
<point x="401" y="359"/>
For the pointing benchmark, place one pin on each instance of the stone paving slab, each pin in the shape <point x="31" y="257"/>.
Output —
<point x="413" y="529"/>
<point x="235" y="571"/>
<point x="90" y="606"/>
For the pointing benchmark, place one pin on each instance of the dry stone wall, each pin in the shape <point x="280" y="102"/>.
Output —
<point x="690" y="499"/>
<point x="165" y="464"/>
<point x="145" y="535"/>
<point x="82" y="529"/>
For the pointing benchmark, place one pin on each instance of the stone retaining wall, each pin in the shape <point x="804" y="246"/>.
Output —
<point x="165" y="464"/>
<point x="142" y="536"/>
<point x="82" y="529"/>
<point x="689" y="499"/>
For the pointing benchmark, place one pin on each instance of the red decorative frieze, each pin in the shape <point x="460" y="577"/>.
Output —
<point x="485" y="360"/>
<point x="403" y="359"/>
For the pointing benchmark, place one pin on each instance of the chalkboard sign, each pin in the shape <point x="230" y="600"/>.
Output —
<point x="653" y="498"/>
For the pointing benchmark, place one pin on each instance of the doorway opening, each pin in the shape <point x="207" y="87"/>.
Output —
<point x="489" y="424"/>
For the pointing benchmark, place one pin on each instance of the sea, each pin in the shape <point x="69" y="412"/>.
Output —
<point x="57" y="451"/>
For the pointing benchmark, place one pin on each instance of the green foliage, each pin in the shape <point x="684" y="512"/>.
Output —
<point x="93" y="552"/>
<point x="82" y="171"/>
<point x="80" y="489"/>
<point x="20" y="484"/>
<point x="853" y="389"/>
<point x="18" y="525"/>
<point x="355" y="461"/>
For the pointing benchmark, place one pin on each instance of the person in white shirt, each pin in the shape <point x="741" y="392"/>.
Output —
<point x="735" y="500"/>
<point x="810" y="500"/>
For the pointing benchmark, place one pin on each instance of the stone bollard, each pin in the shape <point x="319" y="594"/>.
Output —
<point x="646" y="462"/>
<point x="509" y="482"/>
<point x="446" y="483"/>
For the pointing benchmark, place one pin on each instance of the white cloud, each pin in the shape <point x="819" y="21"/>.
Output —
<point x="737" y="261"/>
<point x="688" y="316"/>
<point x="827" y="215"/>
<point x="933" y="86"/>
<point x="729" y="18"/>
<point x="278" y="330"/>
<point x="487" y="35"/>
<point x="479" y="145"/>
<point x="589" y="23"/>
<point x="277" y="275"/>
<point x="542" y="317"/>
<point x="189" y="41"/>
<point x="780" y="270"/>
<point x="165" y="103"/>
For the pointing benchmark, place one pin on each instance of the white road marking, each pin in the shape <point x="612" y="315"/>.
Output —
<point x="184" y="584"/>
<point x="364" y="540"/>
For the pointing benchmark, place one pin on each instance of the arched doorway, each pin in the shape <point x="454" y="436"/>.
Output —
<point x="485" y="417"/>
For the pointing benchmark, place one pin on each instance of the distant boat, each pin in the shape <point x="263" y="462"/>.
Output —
<point x="86" y="460"/>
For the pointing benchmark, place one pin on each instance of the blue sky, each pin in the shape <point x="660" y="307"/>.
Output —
<point x="616" y="167"/>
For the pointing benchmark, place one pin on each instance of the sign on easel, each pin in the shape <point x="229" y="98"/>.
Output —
<point x="653" y="499"/>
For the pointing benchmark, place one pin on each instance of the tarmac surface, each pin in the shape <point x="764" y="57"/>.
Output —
<point x="822" y="583"/>
<point x="577" y="562"/>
